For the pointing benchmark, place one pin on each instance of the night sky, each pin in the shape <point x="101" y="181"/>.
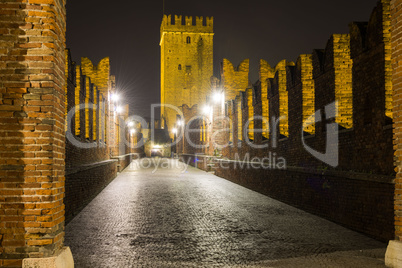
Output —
<point x="128" y="33"/>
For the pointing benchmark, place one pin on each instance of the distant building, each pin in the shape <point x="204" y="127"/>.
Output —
<point x="156" y="139"/>
<point x="186" y="63"/>
<point x="157" y="142"/>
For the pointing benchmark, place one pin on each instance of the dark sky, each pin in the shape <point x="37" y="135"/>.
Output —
<point x="128" y="32"/>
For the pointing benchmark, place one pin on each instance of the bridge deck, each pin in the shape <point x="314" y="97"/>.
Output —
<point x="178" y="216"/>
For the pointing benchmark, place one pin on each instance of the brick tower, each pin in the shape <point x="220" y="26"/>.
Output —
<point x="186" y="63"/>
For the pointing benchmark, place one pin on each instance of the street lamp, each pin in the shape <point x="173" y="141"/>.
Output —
<point x="206" y="110"/>
<point x="218" y="96"/>
<point x="119" y="109"/>
<point x="115" y="97"/>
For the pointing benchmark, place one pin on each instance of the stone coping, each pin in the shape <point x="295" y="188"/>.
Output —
<point x="77" y="169"/>
<point x="123" y="156"/>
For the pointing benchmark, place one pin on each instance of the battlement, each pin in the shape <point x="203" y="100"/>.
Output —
<point x="235" y="79"/>
<point x="188" y="25"/>
<point x="99" y="74"/>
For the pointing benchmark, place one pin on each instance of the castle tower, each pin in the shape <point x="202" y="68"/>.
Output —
<point x="186" y="63"/>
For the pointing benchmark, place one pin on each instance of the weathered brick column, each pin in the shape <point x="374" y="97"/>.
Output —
<point x="393" y="257"/>
<point x="32" y="139"/>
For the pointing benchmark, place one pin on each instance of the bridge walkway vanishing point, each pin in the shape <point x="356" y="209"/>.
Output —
<point x="168" y="214"/>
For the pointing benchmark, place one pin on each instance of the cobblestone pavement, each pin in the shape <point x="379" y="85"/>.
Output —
<point x="169" y="218"/>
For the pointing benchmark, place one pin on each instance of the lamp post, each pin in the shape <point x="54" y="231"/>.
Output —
<point x="173" y="148"/>
<point x="180" y="129"/>
<point x="117" y="109"/>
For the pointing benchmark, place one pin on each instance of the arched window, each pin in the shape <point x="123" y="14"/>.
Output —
<point x="188" y="39"/>
<point x="179" y="66"/>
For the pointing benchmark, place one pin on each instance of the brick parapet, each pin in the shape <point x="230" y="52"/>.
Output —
<point x="357" y="61"/>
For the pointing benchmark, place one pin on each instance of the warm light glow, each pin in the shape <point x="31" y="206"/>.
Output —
<point x="180" y="122"/>
<point x="218" y="97"/>
<point x="130" y="124"/>
<point x="119" y="109"/>
<point x="132" y="131"/>
<point x="206" y="110"/>
<point x="115" y="97"/>
<point x="174" y="130"/>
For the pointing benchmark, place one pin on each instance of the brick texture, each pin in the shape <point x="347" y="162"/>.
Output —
<point x="90" y="170"/>
<point x="354" y="70"/>
<point x="234" y="79"/>
<point x="396" y="22"/>
<point x="362" y="205"/>
<point x="266" y="72"/>
<point x="32" y="108"/>
<point x="83" y="185"/>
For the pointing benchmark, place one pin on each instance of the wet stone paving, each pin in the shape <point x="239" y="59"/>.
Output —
<point x="167" y="214"/>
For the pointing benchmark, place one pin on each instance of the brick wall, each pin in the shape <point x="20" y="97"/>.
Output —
<point x="93" y="156"/>
<point x="82" y="185"/>
<point x="353" y="70"/>
<point x="100" y="74"/>
<point x="234" y="79"/>
<point x="297" y="91"/>
<point x="397" y="104"/>
<point x="363" y="203"/>
<point x="266" y="72"/>
<point x="32" y="107"/>
<point x="84" y="126"/>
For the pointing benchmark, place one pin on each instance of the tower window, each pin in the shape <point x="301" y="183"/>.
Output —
<point x="179" y="66"/>
<point x="188" y="69"/>
<point x="188" y="40"/>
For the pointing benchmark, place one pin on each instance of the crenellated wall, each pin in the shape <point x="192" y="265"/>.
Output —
<point x="178" y="25"/>
<point x="334" y="69"/>
<point x="339" y="162"/>
<point x="100" y="74"/>
<point x="278" y="97"/>
<point x="352" y="70"/>
<point x="234" y="79"/>
<point x="304" y="85"/>
<point x="94" y="149"/>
